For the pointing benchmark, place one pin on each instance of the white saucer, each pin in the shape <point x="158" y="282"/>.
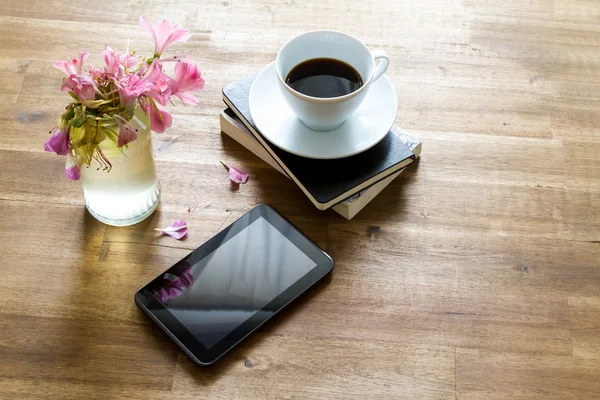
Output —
<point x="279" y="125"/>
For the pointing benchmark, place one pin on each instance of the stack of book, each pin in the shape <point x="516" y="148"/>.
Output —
<point x="346" y="185"/>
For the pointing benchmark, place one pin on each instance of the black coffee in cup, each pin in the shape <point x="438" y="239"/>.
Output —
<point x="324" y="77"/>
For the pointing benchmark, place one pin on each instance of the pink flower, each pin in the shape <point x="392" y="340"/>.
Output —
<point x="159" y="119"/>
<point x="164" y="34"/>
<point x="117" y="64"/>
<point x="73" y="66"/>
<point x="72" y="168"/>
<point x="58" y="142"/>
<point x="126" y="133"/>
<point x="129" y="60"/>
<point x="97" y="74"/>
<point x="131" y="87"/>
<point x="187" y="80"/>
<point x="161" y="92"/>
<point x="83" y="86"/>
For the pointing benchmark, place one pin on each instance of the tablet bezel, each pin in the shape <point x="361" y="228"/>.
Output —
<point x="201" y="355"/>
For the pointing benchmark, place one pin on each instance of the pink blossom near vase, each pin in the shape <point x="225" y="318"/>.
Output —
<point x="105" y="129"/>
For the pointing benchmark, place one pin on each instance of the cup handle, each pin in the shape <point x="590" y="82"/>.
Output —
<point x="384" y="62"/>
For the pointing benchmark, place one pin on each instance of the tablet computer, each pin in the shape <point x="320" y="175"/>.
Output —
<point x="235" y="282"/>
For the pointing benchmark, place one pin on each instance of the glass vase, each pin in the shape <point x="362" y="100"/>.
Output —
<point x="130" y="191"/>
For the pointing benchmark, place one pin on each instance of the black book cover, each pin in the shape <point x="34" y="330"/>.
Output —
<point x="327" y="180"/>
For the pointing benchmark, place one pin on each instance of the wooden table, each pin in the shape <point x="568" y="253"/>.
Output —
<point x="475" y="274"/>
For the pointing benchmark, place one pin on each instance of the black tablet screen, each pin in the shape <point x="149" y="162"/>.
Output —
<point x="214" y="294"/>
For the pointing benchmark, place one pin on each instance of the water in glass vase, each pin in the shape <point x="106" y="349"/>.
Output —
<point x="130" y="191"/>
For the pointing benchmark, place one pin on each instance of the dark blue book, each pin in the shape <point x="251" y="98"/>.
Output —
<point x="325" y="182"/>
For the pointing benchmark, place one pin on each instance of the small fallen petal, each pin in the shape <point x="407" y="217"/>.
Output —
<point x="175" y="226"/>
<point x="176" y="230"/>
<point x="235" y="174"/>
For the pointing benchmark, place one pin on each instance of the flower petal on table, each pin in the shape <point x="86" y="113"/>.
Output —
<point x="235" y="174"/>
<point x="176" y="230"/>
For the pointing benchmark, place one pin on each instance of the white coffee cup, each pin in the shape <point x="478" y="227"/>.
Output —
<point x="328" y="113"/>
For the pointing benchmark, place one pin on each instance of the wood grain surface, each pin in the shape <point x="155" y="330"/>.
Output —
<point x="475" y="274"/>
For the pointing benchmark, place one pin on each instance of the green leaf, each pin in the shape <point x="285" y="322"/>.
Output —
<point x="68" y="115"/>
<point x="78" y="121"/>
